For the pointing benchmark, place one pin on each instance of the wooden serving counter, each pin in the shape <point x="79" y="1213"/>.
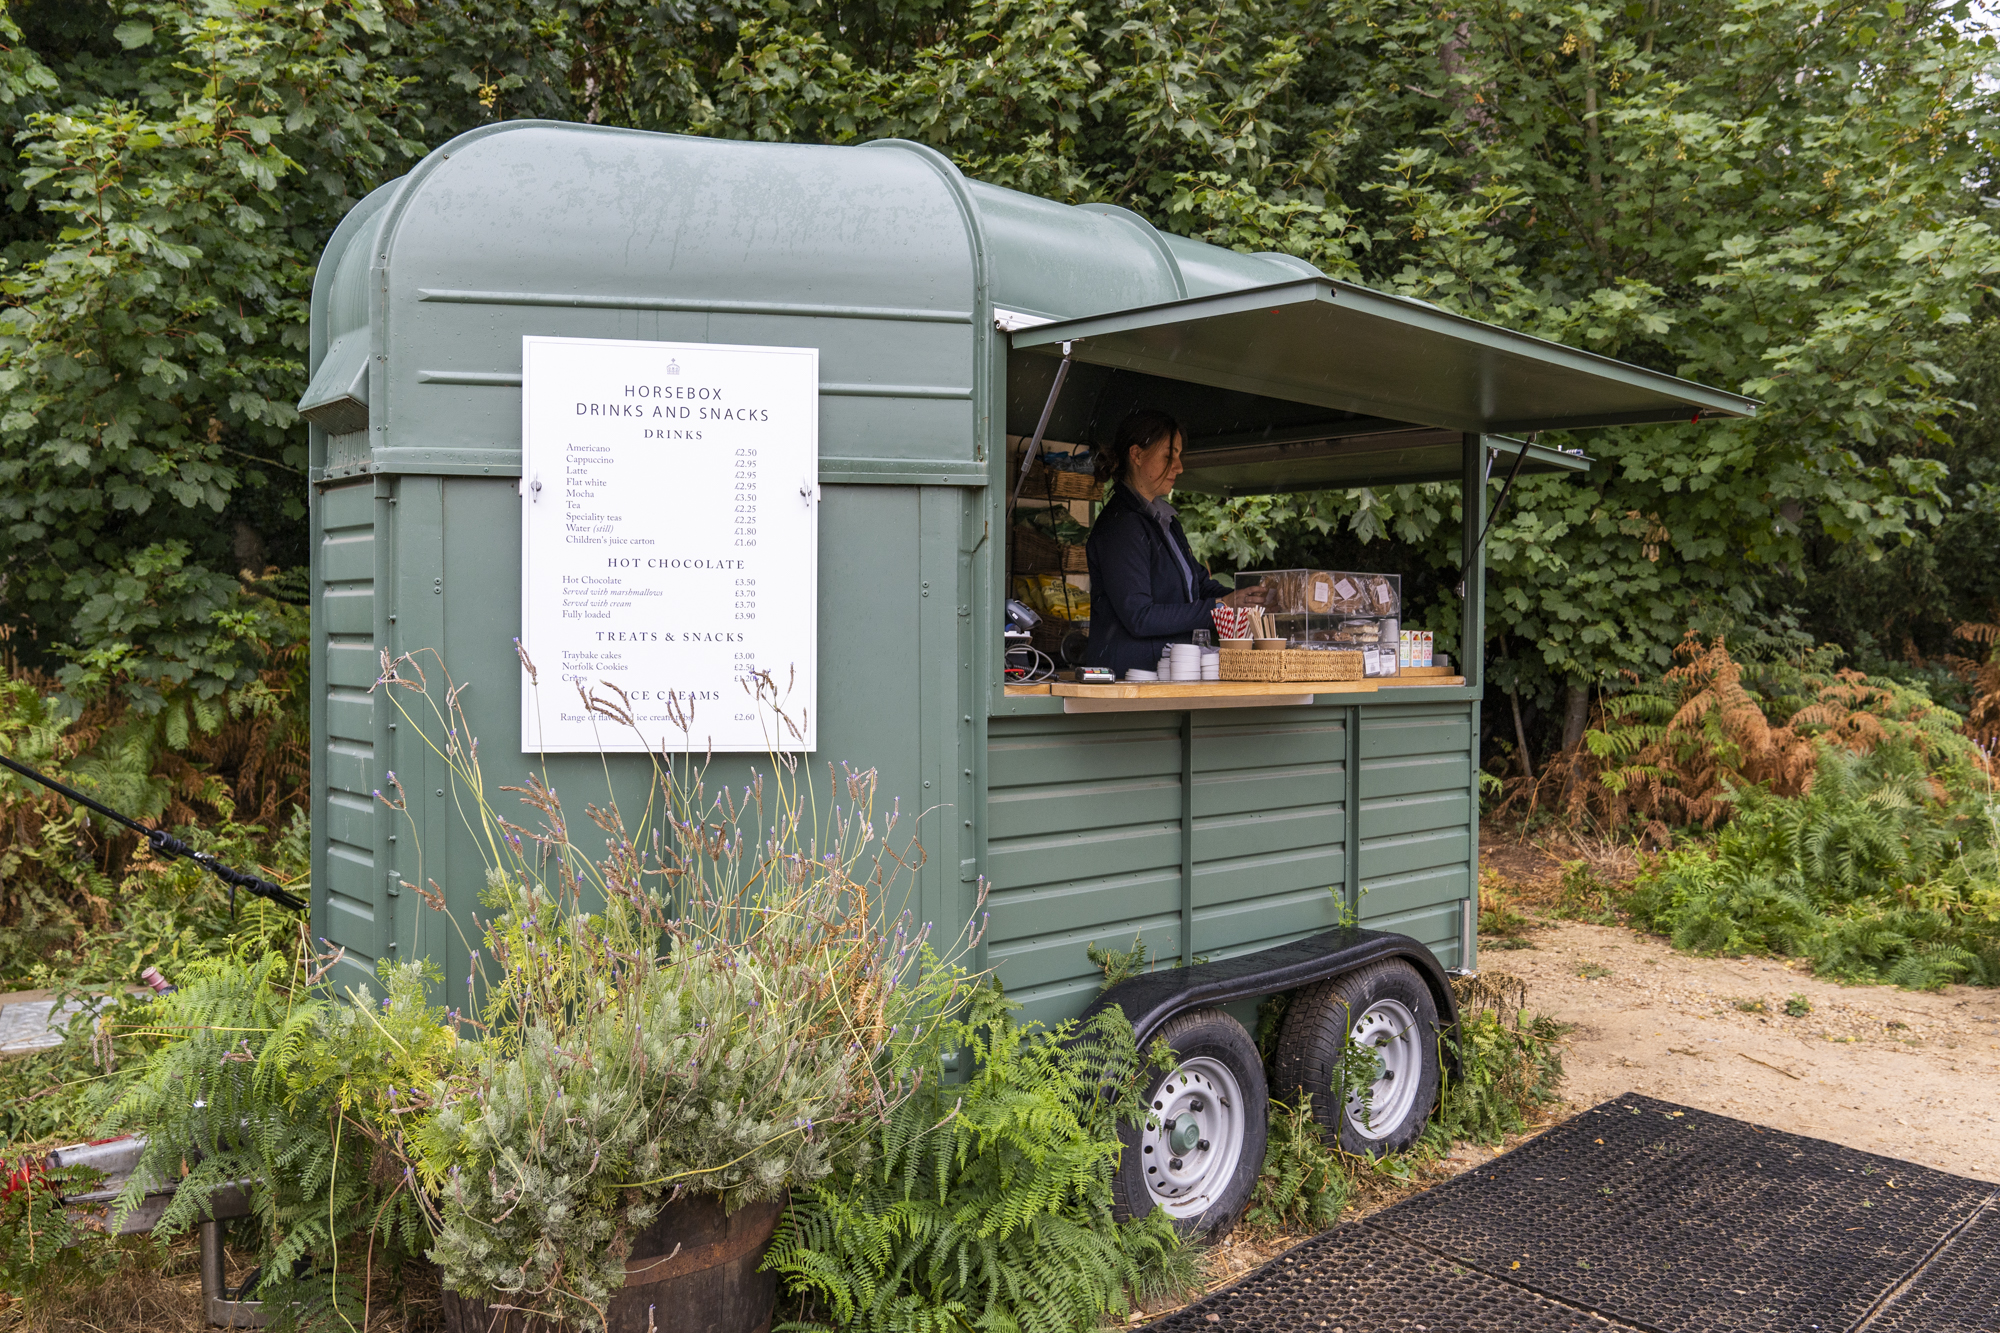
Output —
<point x="1215" y="689"/>
<point x="1145" y="696"/>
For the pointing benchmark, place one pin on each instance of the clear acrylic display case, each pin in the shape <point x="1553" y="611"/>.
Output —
<point x="1335" y="609"/>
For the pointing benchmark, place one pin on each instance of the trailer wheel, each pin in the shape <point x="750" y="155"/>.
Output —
<point x="1387" y="1011"/>
<point x="1202" y="1145"/>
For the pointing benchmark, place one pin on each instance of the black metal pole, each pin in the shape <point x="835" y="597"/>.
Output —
<point x="166" y="844"/>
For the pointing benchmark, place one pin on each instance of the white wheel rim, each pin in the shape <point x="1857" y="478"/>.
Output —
<point x="1388" y="1030"/>
<point x="1193" y="1138"/>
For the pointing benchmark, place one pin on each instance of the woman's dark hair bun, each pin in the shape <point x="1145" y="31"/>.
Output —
<point x="1141" y="429"/>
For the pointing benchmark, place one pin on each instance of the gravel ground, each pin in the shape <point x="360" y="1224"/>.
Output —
<point x="1903" y="1073"/>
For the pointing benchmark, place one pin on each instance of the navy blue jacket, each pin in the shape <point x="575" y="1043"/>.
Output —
<point x="1146" y="588"/>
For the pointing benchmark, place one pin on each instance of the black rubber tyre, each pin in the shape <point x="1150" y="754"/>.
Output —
<point x="1203" y="1145"/>
<point x="1398" y="1016"/>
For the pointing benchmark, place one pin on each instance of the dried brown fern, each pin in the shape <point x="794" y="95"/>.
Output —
<point x="1982" y="672"/>
<point x="1710" y="734"/>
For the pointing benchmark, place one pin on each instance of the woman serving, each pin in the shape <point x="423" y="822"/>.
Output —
<point x="1146" y="588"/>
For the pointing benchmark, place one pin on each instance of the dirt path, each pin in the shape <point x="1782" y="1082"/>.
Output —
<point x="1907" y="1074"/>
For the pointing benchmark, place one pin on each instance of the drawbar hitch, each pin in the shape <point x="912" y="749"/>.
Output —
<point x="166" y="844"/>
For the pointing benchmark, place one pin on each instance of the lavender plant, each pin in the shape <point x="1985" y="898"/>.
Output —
<point x="723" y="1001"/>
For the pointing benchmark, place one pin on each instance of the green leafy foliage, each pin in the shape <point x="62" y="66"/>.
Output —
<point x="86" y="902"/>
<point x="1872" y="873"/>
<point x="259" y="1078"/>
<point x="725" y="1000"/>
<point x="40" y="1249"/>
<point x="1304" y="1185"/>
<point x="1119" y="964"/>
<point x="153" y="333"/>
<point x="1583" y="896"/>
<point x="988" y="1202"/>
<point x="1698" y="189"/>
<point x="1771" y="197"/>
<point x="1509" y="1064"/>
<point x="1500" y="925"/>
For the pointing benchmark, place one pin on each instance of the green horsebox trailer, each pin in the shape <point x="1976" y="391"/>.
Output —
<point x="667" y="409"/>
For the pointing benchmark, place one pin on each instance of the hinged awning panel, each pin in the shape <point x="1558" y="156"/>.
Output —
<point x="1344" y="463"/>
<point x="1341" y="347"/>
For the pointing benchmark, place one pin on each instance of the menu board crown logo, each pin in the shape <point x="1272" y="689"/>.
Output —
<point x="654" y="573"/>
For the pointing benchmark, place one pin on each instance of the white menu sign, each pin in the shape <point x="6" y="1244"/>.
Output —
<point x="670" y="541"/>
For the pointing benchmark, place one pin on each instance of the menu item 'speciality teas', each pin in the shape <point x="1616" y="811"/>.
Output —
<point x="670" y="541"/>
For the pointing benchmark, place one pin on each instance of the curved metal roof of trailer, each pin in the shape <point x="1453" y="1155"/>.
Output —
<point x="917" y="284"/>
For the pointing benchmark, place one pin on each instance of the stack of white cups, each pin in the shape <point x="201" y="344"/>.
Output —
<point x="1185" y="659"/>
<point x="1211" y="664"/>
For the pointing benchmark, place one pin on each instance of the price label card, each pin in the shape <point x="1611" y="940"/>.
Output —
<point x="670" y="543"/>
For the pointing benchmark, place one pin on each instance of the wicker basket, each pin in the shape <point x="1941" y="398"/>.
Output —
<point x="1053" y="484"/>
<point x="1033" y="553"/>
<point x="1319" y="665"/>
<point x="1246" y="664"/>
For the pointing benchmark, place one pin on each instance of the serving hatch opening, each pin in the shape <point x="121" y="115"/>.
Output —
<point x="1317" y="384"/>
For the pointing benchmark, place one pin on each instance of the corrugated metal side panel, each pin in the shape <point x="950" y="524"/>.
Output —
<point x="1416" y="821"/>
<point x="1083" y="844"/>
<point x="1270" y="826"/>
<point x="344" y="598"/>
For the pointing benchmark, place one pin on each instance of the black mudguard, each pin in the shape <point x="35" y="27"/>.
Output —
<point x="1152" y="999"/>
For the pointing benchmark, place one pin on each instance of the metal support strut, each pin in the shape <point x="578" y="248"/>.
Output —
<point x="1034" y="448"/>
<point x="1493" y="515"/>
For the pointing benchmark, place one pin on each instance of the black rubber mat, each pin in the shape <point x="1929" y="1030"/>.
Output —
<point x="1357" y="1280"/>
<point x="1645" y="1216"/>
<point x="1957" y="1292"/>
<point x="1681" y="1221"/>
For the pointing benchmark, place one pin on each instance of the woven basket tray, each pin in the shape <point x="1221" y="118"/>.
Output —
<point x="1312" y="664"/>
<point x="1246" y="664"/>
<point x="1054" y="484"/>
<point x="1032" y="553"/>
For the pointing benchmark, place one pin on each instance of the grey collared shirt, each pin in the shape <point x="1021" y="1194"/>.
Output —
<point x="1164" y="514"/>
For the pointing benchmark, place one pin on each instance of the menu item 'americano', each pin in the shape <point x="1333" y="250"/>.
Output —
<point x="670" y="541"/>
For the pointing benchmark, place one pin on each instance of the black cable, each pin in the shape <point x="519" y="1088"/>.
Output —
<point x="166" y="844"/>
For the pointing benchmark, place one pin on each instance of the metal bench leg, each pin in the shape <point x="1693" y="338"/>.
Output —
<point x="223" y="1312"/>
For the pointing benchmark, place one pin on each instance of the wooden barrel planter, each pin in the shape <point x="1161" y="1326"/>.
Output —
<point x="693" y="1271"/>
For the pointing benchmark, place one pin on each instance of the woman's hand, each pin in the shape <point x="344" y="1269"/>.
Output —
<point x="1257" y="596"/>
